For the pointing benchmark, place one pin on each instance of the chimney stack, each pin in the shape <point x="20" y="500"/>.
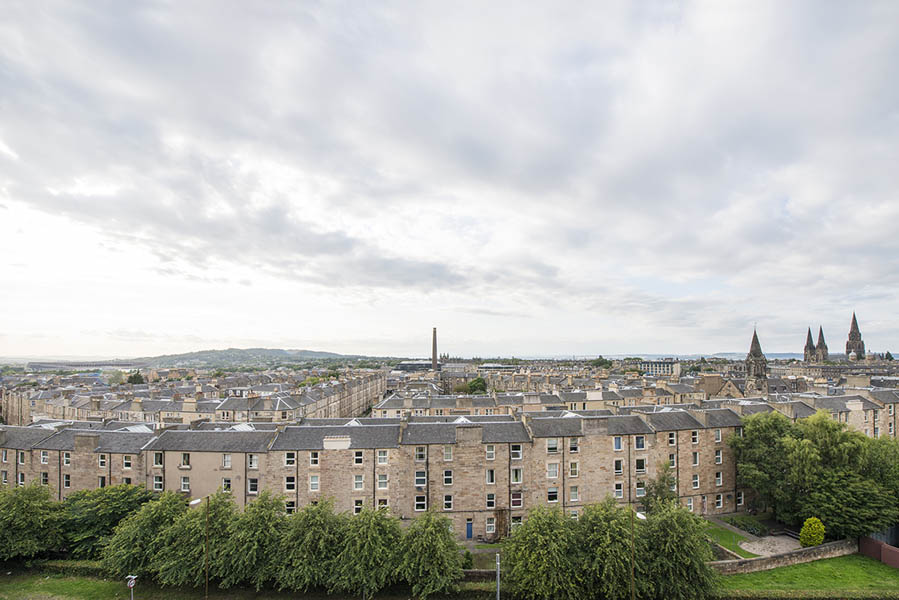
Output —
<point x="434" y="350"/>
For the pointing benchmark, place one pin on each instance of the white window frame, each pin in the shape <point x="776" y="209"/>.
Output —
<point x="552" y="445"/>
<point x="126" y="462"/>
<point x="421" y="478"/>
<point x="719" y="457"/>
<point x="314" y="483"/>
<point x="690" y="504"/>
<point x="672" y="438"/>
<point x="516" y="476"/>
<point x="185" y="483"/>
<point x="383" y="481"/>
<point x="617" y="444"/>
<point x="491" y="525"/>
<point x="447" y="477"/>
<point x="490" y="452"/>
<point x="515" y="451"/>
<point x="491" y="501"/>
<point x="552" y="470"/>
<point x="573" y="469"/>
<point x="719" y="479"/>
<point x="695" y="459"/>
<point x="66" y="459"/>
<point x="358" y="482"/>
<point x="719" y="501"/>
<point x="618" y="466"/>
<point x="66" y="481"/>
<point x="447" y="454"/>
<point x="637" y="468"/>
<point x="383" y="457"/>
<point x="421" y="453"/>
<point x="490" y="476"/>
<point x="550" y="491"/>
<point x="640" y="442"/>
<point x="158" y="459"/>
<point x="101" y="461"/>
<point x="226" y="484"/>
<point x="226" y="460"/>
<point x="252" y="482"/>
<point x="695" y="481"/>
<point x="740" y="498"/>
<point x="158" y="483"/>
<point x="252" y="461"/>
<point x="447" y="502"/>
<point x="290" y="459"/>
<point x="421" y="503"/>
<point x="516" y="500"/>
<point x="290" y="483"/>
<point x="313" y="458"/>
<point x="717" y="435"/>
<point x="358" y="457"/>
<point x="574" y="494"/>
<point x="619" y="489"/>
<point x="45" y="457"/>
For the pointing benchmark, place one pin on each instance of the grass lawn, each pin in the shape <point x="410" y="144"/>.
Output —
<point x="853" y="573"/>
<point x="58" y="587"/>
<point x="728" y="539"/>
<point x="488" y="546"/>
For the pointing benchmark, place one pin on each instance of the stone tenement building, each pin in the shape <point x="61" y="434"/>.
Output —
<point x="483" y="472"/>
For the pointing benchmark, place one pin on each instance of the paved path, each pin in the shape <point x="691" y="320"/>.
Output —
<point x="771" y="544"/>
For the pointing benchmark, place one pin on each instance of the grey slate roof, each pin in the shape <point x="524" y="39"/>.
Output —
<point x="113" y="442"/>
<point x="723" y="417"/>
<point x="504" y="432"/>
<point x="22" y="438"/>
<point x="675" y="420"/>
<point x="628" y="425"/>
<point x="556" y="427"/>
<point x="306" y="437"/>
<point x="213" y="441"/>
<point x="429" y="433"/>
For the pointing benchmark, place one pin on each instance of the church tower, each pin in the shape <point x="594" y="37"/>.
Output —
<point x="855" y="343"/>
<point x="821" y="354"/>
<point x="756" y="370"/>
<point x="809" y="354"/>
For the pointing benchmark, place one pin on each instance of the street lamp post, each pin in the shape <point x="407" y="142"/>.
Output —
<point x="194" y="503"/>
<point x="640" y="516"/>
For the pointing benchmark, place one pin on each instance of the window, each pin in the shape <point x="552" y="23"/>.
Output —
<point x="573" y="514"/>
<point x="66" y="458"/>
<point x="22" y="458"/>
<point x="889" y="410"/>
<point x="552" y="445"/>
<point x="185" y="484"/>
<point x="357" y="482"/>
<point x="694" y="436"/>
<point x="672" y="439"/>
<point x="552" y="470"/>
<point x="515" y="500"/>
<point x="619" y="466"/>
<point x="491" y="500"/>
<point x="573" y="494"/>
<point x="717" y="435"/>
<point x="447" y="453"/>
<point x="640" y="442"/>
<point x="45" y="457"/>
<point x="516" y="475"/>
<point x="448" y="477"/>
<point x="226" y="484"/>
<point x="696" y="459"/>
<point x="382" y="502"/>
<point x="516" y="523"/>
<point x="45" y="478"/>
<point x="382" y="457"/>
<point x="552" y="494"/>
<point x="690" y="504"/>
<point x="447" y="502"/>
<point x="290" y="483"/>
<point x="66" y="480"/>
<point x="672" y="460"/>
<point x="5" y="455"/>
<point x="739" y="498"/>
<point x="891" y="425"/>
<point x="490" y="449"/>
<point x="313" y="483"/>
<point x="420" y="453"/>
<point x="126" y="461"/>
<point x="101" y="460"/>
<point x="421" y="503"/>
<point x="641" y="489"/>
<point x="616" y="443"/>
<point x="641" y="465"/>
<point x="157" y="483"/>
<point x="491" y="525"/>
<point x="357" y="457"/>
<point x="719" y="501"/>
<point x="313" y="458"/>
<point x="21" y="479"/>
<point x="157" y="459"/>
<point x="290" y="459"/>
<point x="290" y="507"/>
<point x="382" y="481"/>
<point x="515" y="450"/>
<point x="226" y="461"/>
<point x="252" y="461"/>
<point x="573" y="469"/>
<point x="491" y="476"/>
<point x="357" y="507"/>
<point x="252" y="486"/>
<point x="573" y="446"/>
<point x="185" y="459"/>
<point x="718" y="478"/>
<point x="619" y="490"/>
<point x="421" y="478"/>
<point x="717" y="457"/>
<point x="695" y="481"/>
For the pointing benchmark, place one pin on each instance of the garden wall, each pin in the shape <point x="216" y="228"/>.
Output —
<point x="878" y="550"/>
<point x="803" y="555"/>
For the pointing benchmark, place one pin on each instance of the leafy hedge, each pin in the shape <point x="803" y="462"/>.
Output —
<point x="747" y="524"/>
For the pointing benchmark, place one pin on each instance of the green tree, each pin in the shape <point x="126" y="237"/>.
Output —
<point x="431" y="560"/>
<point x="88" y="516"/>
<point x="812" y="532"/>
<point x="849" y="505"/>
<point x="29" y="522"/>
<point x="181" y="560"/>
<point x="477" y="386"/>
<point x="138" y="537"/>
<point x="368" y="560"/>
<point x="762" y="463"/>
<point x="604" y="535"/>
<point x="660" y="489"/>
<point x="116" y="377"/>
<point x="135" y="377"/>
<point x="253" y="544"/>
<point x="543" y="558"/>
<point x="599" y="361"/>
<point x="677" y="554"/>
<point x="313" y="537"/>
<point x="888" y="356"/>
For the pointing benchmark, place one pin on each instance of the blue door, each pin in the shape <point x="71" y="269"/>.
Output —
<point x="468" y="528"/>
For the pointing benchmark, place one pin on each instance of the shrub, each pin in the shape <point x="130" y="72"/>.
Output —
<point x="468" y="560"/>
<point x="747" y="524"/>
<point x="812" y="532"/>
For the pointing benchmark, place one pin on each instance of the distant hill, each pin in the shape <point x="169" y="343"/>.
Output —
<point x="239" y="357"/>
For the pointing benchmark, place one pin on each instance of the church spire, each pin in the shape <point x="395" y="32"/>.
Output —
<point x="809" y="354"/>
<point x="854" y="345"/>
<point x="821" y="354"/>
<point x="820" y="335"/>
<point x="853" y="329"/>
<point x="755" y="349"/>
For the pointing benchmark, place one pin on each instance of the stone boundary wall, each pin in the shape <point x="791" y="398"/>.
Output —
<point x="803" y="555"/>
<point x="878" y="550"/>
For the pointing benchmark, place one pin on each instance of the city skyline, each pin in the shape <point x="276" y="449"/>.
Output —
<point x="530" y="180"/>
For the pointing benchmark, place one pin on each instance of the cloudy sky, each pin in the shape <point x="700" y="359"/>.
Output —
<point x="531" y="178"/>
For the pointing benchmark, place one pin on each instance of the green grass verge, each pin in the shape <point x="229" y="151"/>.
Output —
<point x="44" y="586"/>
<point x="835" y="576"/>
<point x="488" y="546"/>
<point x="728" y="539"/>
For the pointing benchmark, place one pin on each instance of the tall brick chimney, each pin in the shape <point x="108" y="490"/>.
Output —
<point x="434" y="350"/>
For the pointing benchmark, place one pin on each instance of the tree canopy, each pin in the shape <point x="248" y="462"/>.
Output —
<point x="431" y="560"/>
